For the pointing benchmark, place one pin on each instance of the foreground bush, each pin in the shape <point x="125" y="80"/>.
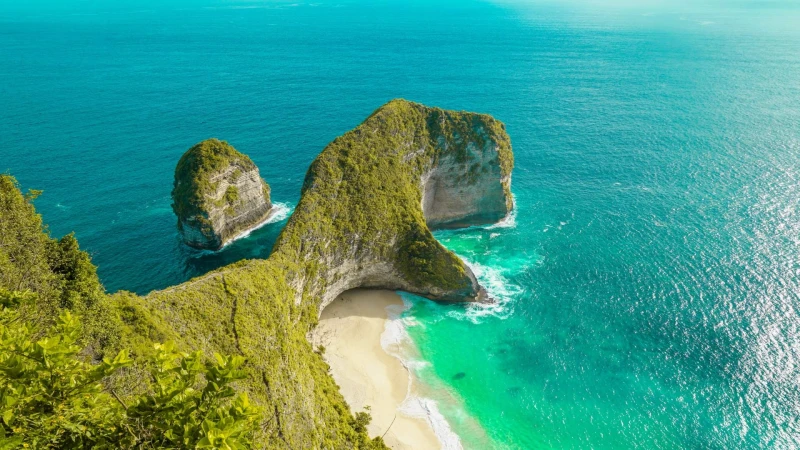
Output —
<point x="51" y="398"/>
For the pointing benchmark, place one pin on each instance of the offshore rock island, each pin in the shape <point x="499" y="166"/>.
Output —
<point x="218" y="193"/>
<point x="363" y="220"/>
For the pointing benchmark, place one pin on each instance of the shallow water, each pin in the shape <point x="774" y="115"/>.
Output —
<point x="649" y="283"/>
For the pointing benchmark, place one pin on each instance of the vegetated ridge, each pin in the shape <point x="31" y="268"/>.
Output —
<point x="362" y="221"/>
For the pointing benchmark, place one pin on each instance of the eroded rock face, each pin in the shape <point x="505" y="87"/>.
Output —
<point x="363" y="220"/>
<point x="469" y="187"/>
<point x="371" y="197"/>
<point x="218" y="194"/>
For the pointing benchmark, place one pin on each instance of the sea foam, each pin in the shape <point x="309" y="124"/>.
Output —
<point x="500" y="290"/>
<point x="509" y="221"/>
<point x="280" y="211"/>
<point x="395" y="340"/>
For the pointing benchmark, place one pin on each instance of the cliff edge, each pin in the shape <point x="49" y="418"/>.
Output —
<point x="372" y="195"/>
<point x="363" y="220"/>
<point x="218" y="193"/>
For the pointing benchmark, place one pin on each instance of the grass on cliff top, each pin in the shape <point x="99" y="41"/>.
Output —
<point x="194" y="172"/>
<point x="361" y="199"/>
<point x="362" y="193"/>
<point x="239" y="310"/>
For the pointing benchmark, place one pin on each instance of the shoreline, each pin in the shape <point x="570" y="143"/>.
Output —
<point x="278" y="212"/>
<point x="351" y="330"/>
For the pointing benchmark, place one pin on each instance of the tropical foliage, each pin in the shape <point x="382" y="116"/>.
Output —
<point x="50" y="397"/>
<point x="81" y="368"/>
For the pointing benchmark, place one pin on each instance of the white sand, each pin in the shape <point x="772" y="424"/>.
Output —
<point x="350" y="329"/>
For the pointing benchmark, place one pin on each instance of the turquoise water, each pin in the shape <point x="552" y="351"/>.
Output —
<point x="649" y="284"/>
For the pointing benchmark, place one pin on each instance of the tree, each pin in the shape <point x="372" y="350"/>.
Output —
<point x="51" y="398"/>
<point x="178" y="414"/>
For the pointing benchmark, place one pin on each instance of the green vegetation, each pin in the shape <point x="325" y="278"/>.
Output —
<point x="198" y="198"/>
<point x="287" y="382"/>
<point x="360" y="207"/>
<point x="231" y="194"/>
<point x="230" y="198"/>
<point x="193" y="175"/>
<point x="51" y="398"/>
<point x="128" y="319"/>
<point x="361" y="197"/>
<point x="59" y="273"/>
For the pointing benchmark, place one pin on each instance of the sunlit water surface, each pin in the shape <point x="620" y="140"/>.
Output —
<point x="648" y="286"/>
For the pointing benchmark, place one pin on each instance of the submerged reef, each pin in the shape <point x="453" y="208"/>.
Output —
<point x="218" y="193"/>
<point x="363" y="220"/>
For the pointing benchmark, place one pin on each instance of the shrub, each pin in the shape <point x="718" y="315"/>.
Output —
<point x="51" y="398"/>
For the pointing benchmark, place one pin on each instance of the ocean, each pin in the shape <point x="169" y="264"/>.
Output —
<point x="648" y="283"/>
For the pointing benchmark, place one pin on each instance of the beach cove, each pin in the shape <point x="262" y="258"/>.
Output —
<point x="647" y="295"/>
<point x="351" y="329"/>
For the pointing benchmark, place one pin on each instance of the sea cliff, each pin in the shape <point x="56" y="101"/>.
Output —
<point x="369" y="196"/>
<point x="362" y="221"/>
<point x="218" y="193"/>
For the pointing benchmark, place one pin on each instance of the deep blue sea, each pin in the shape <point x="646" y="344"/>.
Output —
<point x="649" y="281"/>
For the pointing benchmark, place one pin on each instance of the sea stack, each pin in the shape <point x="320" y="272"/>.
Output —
<point x="217" y="195"/>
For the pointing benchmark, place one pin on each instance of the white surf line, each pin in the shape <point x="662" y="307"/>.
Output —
<point x="279" y="212"/>
<point x="510" y="220"/>
<point x="395" y="334"/>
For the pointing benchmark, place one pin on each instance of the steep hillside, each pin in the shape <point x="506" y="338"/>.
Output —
<point x="362" y="221"/>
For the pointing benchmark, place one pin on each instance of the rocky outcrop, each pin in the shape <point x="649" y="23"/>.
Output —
<point x="218" y="194"/>
<point x="467" y="186"/>
<point x="363" y="220"/>
<point x="373" y="193"/>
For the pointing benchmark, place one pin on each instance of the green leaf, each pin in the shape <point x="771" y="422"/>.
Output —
<point x="7" y="416"/>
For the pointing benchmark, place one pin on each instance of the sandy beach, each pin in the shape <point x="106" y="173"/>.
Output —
<point x="350" y="329"/>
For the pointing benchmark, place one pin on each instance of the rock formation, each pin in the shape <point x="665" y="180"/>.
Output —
<point x="373" y="192"/>
<point x="469" y="184"/>
<point x="362" y="221"/>
<point x="218" y="193"/>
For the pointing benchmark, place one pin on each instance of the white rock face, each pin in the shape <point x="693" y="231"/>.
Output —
<point x="466" y="190"/>
<point x="251" y="208"/>
<point x="218" y="195"/>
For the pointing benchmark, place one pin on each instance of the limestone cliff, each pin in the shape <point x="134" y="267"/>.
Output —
<point x="372" y="193"/>
<point x="218" y="193"/>
<point x="470" y="184"/>
<point x="362" y="221"/>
